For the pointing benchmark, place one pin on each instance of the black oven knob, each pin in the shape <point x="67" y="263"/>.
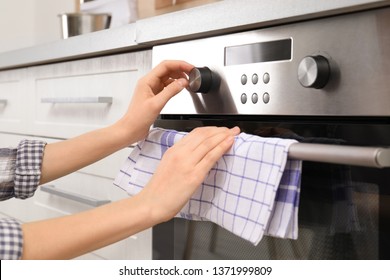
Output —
<point x="314" y="71"/>
<point x="200" y="79"/>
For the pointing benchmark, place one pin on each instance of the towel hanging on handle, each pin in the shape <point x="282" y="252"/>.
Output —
<point x="251" y="191"/>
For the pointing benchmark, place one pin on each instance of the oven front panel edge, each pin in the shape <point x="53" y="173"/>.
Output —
<point x="356" y="47"/>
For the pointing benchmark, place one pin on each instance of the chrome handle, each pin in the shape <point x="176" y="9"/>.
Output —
<point x="72" y="196"/>
<point x="3" y="101"/>
<point x="94" y="99"/>
<point x="338" y="154"/>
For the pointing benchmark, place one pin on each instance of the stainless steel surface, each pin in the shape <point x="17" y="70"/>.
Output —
<point x="74" y="24"/>
<point x="357" y="47"/>
<point x="314" y="72"/>
<point x="97" y="99"/>
<point x="214" y="19"/>
<point x="200" y="80"/>
<point x="339" y="154"/>
<point x="234" y="15"/>
<point x="72" y="196"/>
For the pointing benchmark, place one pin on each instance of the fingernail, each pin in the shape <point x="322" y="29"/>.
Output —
<point x="235" y="130"/>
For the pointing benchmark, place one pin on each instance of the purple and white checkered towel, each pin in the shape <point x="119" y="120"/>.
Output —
<point x="251" y="191"/>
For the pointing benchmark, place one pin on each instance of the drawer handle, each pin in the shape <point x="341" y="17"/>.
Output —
<point x="96" y="99"/>
<point x="72" y="196"/>
<point x="3" y="101"/>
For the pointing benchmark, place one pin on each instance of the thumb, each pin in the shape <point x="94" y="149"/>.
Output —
<point x="171" y="90"/>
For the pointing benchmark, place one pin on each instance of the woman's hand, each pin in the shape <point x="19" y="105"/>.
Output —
<point x="152" y="92"/>
<point x="183" y="168"/>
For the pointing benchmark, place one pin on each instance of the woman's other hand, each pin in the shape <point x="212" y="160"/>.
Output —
<point x="183" y="168"/>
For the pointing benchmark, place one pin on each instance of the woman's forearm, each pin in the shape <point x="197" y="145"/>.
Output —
<point x="67" y="156"/>
<point x="74" y="235"/>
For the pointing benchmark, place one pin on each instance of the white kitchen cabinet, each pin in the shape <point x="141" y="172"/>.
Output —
<point x="57" y="101"/>
<point x="71" y="98"/>
<point x="13" y="107"/>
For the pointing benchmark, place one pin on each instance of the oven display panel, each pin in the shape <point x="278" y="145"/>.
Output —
<point x="258" y="52"/>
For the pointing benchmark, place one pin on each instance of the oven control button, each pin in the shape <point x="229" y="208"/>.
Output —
<point x="255" y="98"/>
<point x="266" y="78"/>
<point x="255" y="79"/>
<point x="266" y="97"/>
<point x="244" y="79"/>
<point x="244" y="98"/>
<point x="200" y="79"/>
<point x="314" y="71"/>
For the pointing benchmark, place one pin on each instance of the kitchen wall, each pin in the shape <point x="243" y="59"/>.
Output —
<point x="149" y="8"/>
<point x="25" y="23"/>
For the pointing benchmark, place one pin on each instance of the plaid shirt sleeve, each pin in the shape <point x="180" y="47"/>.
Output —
<point x="7" y="173"/>
<point x="11" y="239"/>
<point x="20" y="172"/>
<point x="28" y="168"/>
<point x="20" y="169"/>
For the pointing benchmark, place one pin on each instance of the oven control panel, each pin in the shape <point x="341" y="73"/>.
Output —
<point x="332" y="66"/>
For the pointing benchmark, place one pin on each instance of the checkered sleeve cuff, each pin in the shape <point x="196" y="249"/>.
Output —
<point x="28" y="167"/>
<point x="7" y="172"/>
<point x="11" y="239"/>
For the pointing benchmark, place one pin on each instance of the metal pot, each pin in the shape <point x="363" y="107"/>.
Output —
<point x="74" y="24"/>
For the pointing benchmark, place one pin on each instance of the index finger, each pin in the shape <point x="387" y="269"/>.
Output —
<point x="171" y="68"/>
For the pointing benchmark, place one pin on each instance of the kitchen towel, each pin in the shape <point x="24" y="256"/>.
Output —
<point x="251" y="191"/>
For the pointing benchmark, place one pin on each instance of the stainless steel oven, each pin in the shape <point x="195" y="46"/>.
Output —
<point x="324" y="82"/>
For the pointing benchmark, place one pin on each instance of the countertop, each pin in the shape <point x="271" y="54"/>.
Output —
<point x="209" y="20"/>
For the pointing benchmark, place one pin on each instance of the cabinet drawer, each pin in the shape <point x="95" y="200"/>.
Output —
<point x="74" y="97"/>
<point x="136" y="247"/>
<point x="68" y="195"/>
<point x="13" y="106"/>
<point x="75" y="193"/>
<point x="9" y="140"/>
<point x="109" y="166"/>
<point x="80" y="192"/>
<point x="68" y="106"/>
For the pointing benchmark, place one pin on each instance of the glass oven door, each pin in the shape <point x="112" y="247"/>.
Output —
<point x="344" y="210"/>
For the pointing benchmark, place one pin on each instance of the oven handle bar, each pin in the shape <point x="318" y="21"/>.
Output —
<point x="350" y="155"/>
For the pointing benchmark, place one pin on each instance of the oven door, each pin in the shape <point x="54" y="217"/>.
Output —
<point x="344" y="210"/>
